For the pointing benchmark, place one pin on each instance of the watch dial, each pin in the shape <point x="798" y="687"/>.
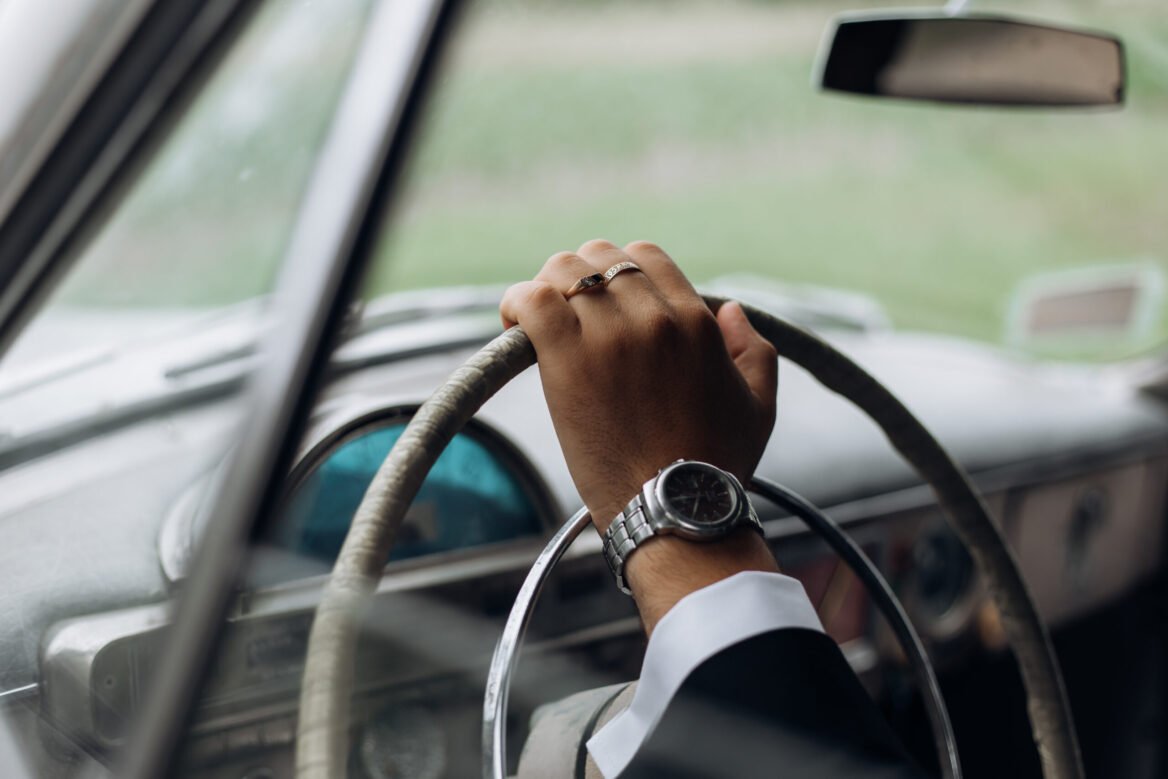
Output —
<point x="700" y="495"/>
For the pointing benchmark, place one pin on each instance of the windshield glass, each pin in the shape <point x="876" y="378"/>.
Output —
<point x="205" y="225"/>
<point x="701" y="131"/>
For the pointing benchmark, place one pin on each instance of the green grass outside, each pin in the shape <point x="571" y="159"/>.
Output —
<point x="938" y="213"/>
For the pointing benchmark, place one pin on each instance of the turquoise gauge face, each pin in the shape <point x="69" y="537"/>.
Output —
<point x="470" y="498"/>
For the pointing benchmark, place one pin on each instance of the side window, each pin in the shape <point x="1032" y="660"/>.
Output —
<point x="123" y="391"/>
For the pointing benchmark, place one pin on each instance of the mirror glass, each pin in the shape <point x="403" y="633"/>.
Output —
<point x="987" y="60"/>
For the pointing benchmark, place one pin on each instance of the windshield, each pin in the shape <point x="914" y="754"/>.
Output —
<point x="715" y="145"/>
<point x="701" y="131"/>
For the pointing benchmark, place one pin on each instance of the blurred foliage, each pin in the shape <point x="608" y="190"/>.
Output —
<point x="700" y="130"/>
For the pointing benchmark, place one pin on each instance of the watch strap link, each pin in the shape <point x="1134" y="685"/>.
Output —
<point x="629" y="530"/>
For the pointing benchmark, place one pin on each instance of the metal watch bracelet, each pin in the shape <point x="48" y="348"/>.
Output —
<point x="629" y="530"/>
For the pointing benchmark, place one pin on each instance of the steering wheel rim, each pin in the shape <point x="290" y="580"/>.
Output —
<point x="322" y="732"/>
<point x="506" y="657"/>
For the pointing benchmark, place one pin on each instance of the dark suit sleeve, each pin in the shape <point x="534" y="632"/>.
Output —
<point x="781" y="704"/>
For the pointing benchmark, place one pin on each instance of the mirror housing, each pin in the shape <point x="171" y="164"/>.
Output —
<point x="977" y="59"/>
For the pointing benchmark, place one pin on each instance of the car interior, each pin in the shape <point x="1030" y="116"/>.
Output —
<point x="251" y="257"/>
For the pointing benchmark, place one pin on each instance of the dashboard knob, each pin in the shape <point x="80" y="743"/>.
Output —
<point x="403" y="742"/>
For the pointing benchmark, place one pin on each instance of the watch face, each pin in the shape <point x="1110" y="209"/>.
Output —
<point x="699" y="494"/>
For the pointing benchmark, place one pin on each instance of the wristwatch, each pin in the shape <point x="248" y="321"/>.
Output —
<point x="690" y="499"/>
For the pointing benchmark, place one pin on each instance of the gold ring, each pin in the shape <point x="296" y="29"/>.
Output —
<point x="620" y="267"/>
<point x="593" y="281"/>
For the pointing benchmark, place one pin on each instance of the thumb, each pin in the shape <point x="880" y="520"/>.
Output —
<point x="752" y="354"/>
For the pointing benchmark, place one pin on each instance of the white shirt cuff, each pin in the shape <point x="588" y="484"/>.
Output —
<point x="700" y="626"/>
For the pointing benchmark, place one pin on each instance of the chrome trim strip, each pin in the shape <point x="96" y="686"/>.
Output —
<point x="19" y="694"/>
<point x="327" y="251"/>
<point x="502" y="671"/>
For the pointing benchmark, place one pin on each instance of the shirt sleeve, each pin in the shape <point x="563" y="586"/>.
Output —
<point x="701" y="625"/>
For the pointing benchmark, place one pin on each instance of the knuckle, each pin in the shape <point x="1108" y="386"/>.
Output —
<point x="596" y="245"/>
<point x="660" y="325"/>
<point x="512" y="295"/>
<point x="561" y="260"/>
<point x="645" y="247"/>
<point x="698" y="320"/>
<point x="539" y="294"/>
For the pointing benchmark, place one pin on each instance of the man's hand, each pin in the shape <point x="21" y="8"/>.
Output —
<point x="637" y="375"/>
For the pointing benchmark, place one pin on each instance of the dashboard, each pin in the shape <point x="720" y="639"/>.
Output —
<point x="1078" y="483"/>
<point x="433" y="626"/>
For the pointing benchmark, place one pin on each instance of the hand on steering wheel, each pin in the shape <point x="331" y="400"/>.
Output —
<point x="666" y="379"/>
<point x="650" y="363"/>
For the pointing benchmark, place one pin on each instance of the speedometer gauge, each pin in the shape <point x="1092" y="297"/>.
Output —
<point x="479" y="492"/>
<point x="404" y="743"/>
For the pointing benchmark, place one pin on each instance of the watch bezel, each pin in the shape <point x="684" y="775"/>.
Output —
<point x="661" y="508"/>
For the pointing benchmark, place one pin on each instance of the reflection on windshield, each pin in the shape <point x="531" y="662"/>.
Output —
<point x="205" y="225"/>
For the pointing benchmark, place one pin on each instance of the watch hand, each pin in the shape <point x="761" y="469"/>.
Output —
<point x="697" y="502"/>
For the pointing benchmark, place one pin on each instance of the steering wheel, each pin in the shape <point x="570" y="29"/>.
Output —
<point x="322" y="738"/>
<point x="506" y="657"/>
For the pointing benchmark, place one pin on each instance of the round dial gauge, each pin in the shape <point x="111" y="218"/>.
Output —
<point x="699" y="494"/>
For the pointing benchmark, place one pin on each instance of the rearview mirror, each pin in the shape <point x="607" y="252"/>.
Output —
<point x="977" y="59"/>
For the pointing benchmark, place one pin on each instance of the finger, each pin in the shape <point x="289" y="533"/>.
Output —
<point x="602" y="255"/>
<point x="752" y="354"/>
<point x="542" y="311"/>
<point x="660" y="268"/>
<point x="564" y="269"/>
